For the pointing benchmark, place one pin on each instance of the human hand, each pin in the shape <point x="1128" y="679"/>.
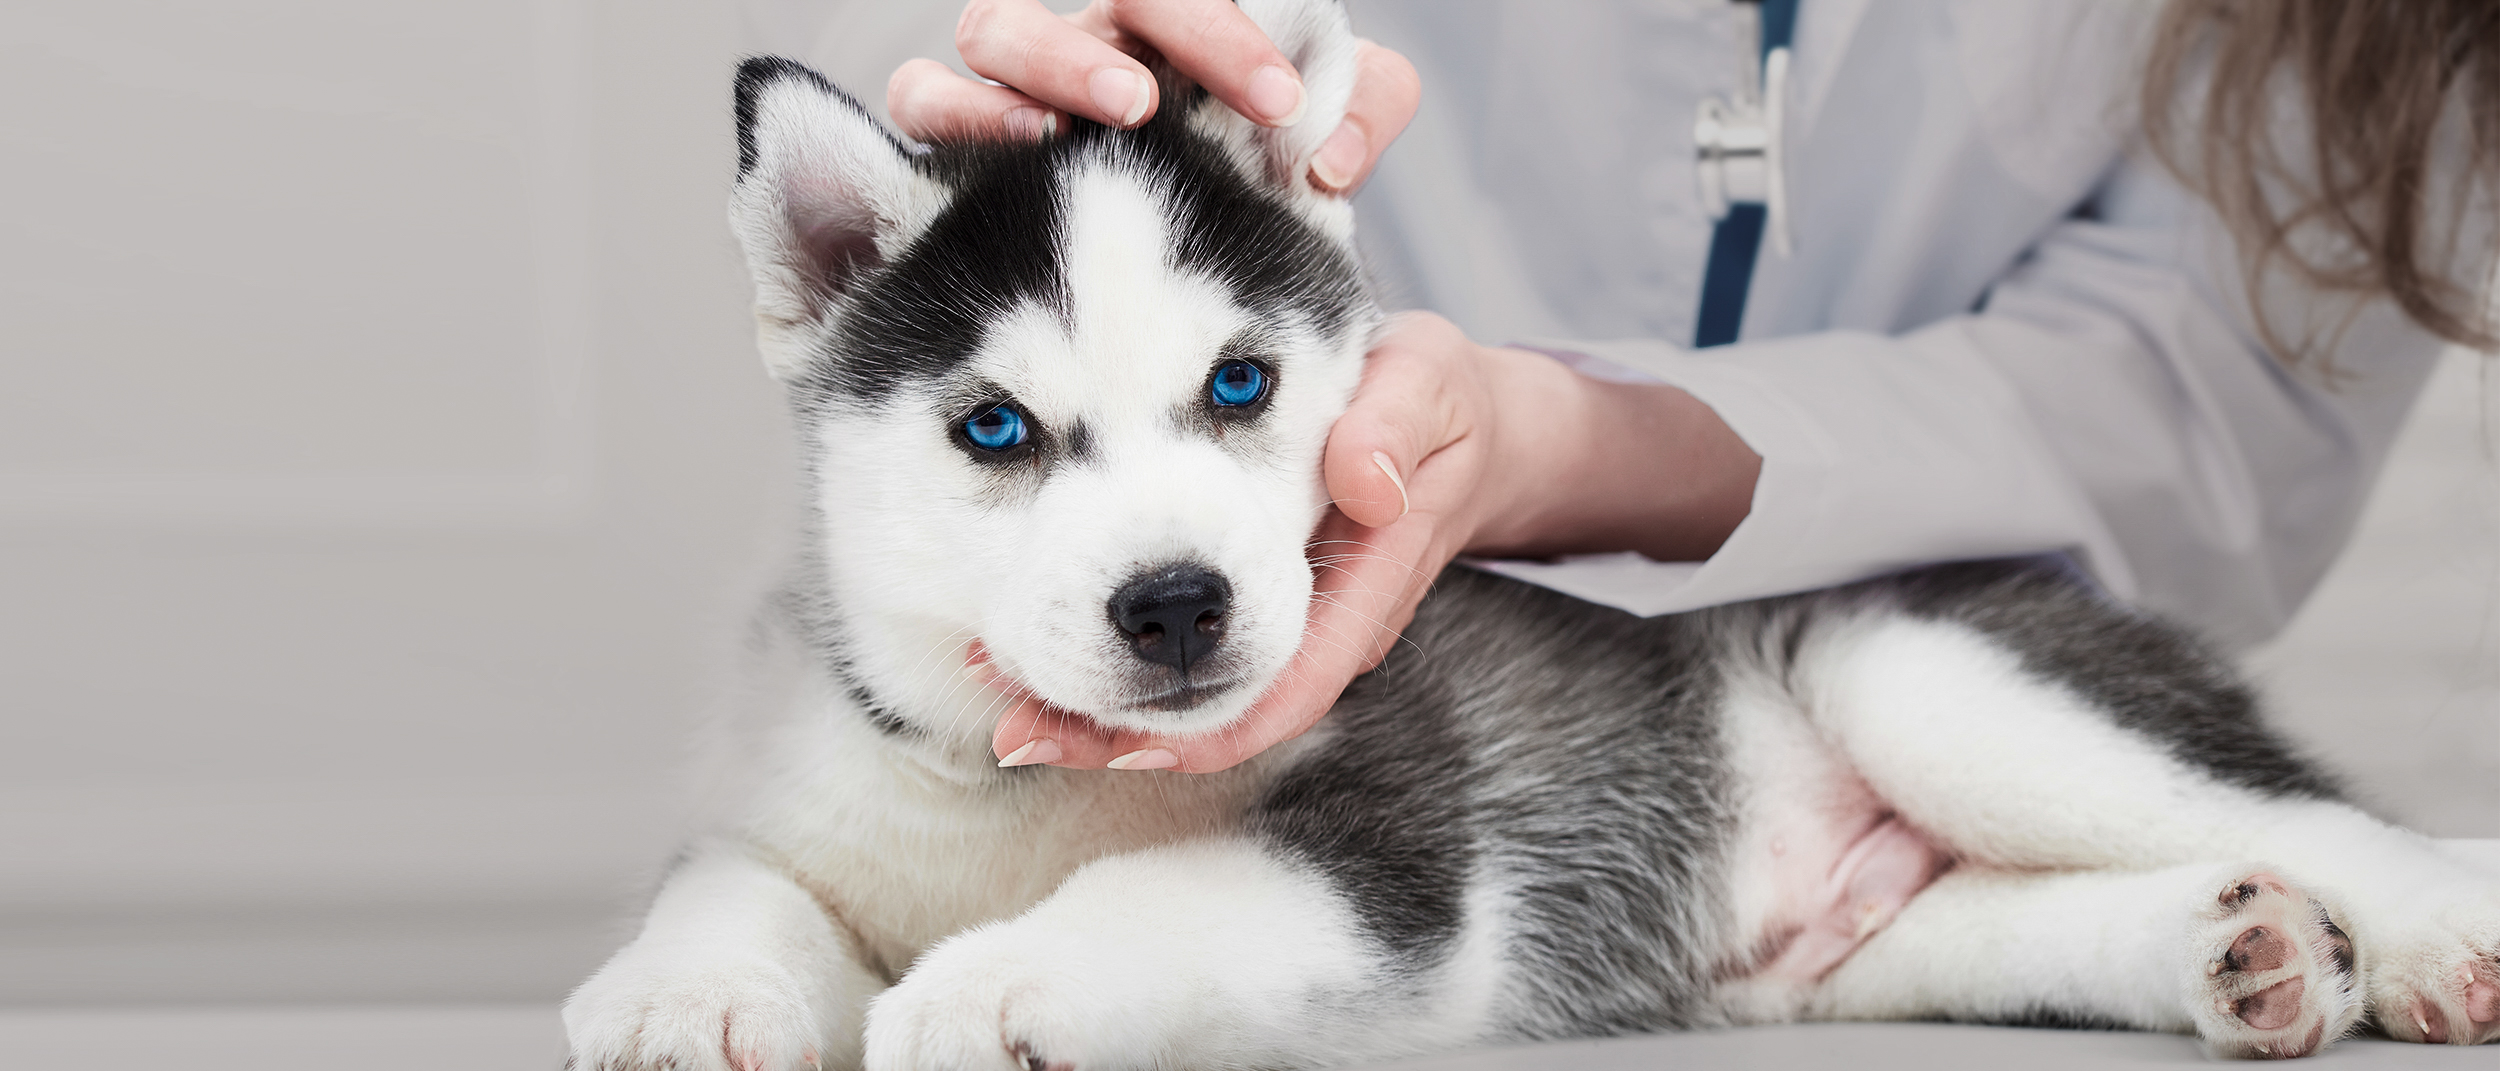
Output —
<point x="1448" y="447"/>
<point x="1088" y="64"/>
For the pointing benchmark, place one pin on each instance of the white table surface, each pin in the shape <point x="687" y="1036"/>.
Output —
<point x="527" y="1037"/>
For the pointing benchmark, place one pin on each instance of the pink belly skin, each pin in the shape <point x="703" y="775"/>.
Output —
<point x="1878" y="871"/>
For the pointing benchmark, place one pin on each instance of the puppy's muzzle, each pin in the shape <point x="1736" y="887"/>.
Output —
<point x="1173" y="615"/>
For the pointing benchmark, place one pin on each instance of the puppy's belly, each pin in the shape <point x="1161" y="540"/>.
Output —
<point x="1823" y="862"/>
<point x="1827" y="907"/>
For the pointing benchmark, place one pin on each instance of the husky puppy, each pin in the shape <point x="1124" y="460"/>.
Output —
<point x="1068" y="399"/>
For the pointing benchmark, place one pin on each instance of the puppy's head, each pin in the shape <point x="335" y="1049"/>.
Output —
<point x="1068" y="399"/>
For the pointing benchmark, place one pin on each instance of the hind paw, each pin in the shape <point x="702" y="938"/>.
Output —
<point x="2271" y="975"/>
<point x="2441" y="985"/>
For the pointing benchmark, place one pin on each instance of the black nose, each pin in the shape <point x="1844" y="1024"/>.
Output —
<point x="1173" y="615"/>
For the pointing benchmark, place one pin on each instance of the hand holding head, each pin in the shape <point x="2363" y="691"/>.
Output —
<point x="1450" y="447"/>
<point x="1092" y="64"/>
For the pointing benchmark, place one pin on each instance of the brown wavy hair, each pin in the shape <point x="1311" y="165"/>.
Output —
<point x="2360" y="209"/>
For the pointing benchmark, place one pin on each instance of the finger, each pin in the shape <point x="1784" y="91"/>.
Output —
<point x="1216" y="46"/>
<point x="1032" y="732"/>
<point x="1025" y="46"/>
<point x="930" y="103"/>
<point x="1402" y="413"/>
<point x="1386" y="93"/>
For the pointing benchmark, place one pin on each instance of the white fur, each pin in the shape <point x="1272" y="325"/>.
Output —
<point x="2056" y="813"/>
<point x="1214" y="934"/>
<point x="821" y="171"/>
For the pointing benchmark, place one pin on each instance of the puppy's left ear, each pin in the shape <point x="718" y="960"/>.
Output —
<point x="825" y="196"/>
<point x="1320" y="42"/>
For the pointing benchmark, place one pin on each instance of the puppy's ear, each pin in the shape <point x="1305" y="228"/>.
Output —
<point x="824" y="196"/>
<point x="1316" y="37"/>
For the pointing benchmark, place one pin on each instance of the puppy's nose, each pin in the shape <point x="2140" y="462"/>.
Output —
<point x="1173" y="615"/>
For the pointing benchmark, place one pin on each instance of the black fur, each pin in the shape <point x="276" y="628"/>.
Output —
<point x="1617" y="887"/>
<point x="994" y="247"/>
<point x="2047" y="1018"/>
<point x="1375" y="815"/>
<point x="996" y="243"/>
<point x="1235" y="232"/>
<point x="760" y="71"/>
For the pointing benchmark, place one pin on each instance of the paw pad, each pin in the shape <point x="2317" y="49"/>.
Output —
<point x="2275" y="972"/>
<point x="2464" y="1011"/>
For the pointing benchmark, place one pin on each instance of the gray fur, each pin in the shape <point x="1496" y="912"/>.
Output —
<point x="1573" y="750"/>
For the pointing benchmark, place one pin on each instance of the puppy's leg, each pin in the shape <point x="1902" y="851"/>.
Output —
<point x="2008" y="764"/>
<point x="2230" y="953"/>
<point x="1210" y="954"/>
<point x="737" y="968"/>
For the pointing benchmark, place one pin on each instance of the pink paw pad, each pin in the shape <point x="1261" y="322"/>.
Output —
<point x="2273" y="1007"/>
<point x="2279" y="963"/>
<point x="2258" y="949"/>
<point x="2467" y="1014"/>
<point x="2482" y="1002"/>
<point x="2482" y="991"/>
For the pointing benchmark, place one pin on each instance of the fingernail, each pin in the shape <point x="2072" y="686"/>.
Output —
<point x="1033" y="751"/>
<point x="1391" y="470"/>
<point x="1120" y="92"/>
<point x="1032" y="124"/>
<point x="1339" y="157"/>
<point x="1153" y="758"/>
<point x="1276" y="95"/>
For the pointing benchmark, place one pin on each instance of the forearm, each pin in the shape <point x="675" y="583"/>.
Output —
<point x="1592" y="466"/>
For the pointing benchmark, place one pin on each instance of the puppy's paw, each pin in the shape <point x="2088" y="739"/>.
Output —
<point x="2270" y="974"/>
<point x="2435" y="971"/>
<point x="693" y="1010"/>
<point x="1024" y="998"/>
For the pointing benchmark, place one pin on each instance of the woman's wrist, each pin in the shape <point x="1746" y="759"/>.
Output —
<point x="1582" y="465"/>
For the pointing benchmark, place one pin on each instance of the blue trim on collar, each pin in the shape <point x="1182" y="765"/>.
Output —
<point x="1736" y="241"/>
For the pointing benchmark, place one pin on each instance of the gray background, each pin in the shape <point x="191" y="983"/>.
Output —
<point x="385" y="466"/>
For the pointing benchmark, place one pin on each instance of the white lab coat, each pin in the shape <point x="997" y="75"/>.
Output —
<point x="2003" y="329"/>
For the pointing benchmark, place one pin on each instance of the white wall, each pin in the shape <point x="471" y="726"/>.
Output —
<point x="385" y="465"/>
<point x="2391" y="673"/>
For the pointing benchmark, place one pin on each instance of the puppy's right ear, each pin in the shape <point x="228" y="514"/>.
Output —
<point x="824" y="196"/>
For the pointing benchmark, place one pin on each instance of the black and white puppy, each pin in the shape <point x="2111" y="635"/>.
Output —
<point x="1068" y="399"/>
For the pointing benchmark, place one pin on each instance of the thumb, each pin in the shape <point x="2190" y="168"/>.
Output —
<point x="1386" y="91"/>
<point x="1401" y="415"/>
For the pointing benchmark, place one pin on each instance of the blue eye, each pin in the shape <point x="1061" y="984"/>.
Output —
<point x="996" y="428"/>
<point x="1237" y="383"/>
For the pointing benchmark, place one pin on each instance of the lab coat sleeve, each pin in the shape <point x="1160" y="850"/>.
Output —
<point x="2109" y="401"/>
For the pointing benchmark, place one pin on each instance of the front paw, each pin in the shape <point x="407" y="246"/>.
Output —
<point x="2435" y="969"/>
<point x="692" y="1009"/>
<point x="1025" y="998"/>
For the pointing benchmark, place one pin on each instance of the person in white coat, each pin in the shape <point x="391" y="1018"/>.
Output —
<point x="1983" y="319"/>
